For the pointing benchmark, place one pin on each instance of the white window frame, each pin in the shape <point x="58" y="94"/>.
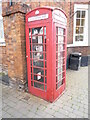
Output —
<point x="83" y="7"/>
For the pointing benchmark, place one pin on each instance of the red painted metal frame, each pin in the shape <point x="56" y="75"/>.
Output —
<point x="51" y="93"/>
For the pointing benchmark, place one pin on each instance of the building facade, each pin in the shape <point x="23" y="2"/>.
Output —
<point x="13" y="41"/>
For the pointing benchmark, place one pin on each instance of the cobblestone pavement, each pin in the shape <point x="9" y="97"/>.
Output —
<point x="72" y="104"/>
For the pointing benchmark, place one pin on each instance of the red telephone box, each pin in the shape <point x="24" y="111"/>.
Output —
<point x="46" y="37"/>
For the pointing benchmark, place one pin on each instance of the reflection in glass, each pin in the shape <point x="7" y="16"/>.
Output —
<point x="29" y="32"/>
<point x="82" y="22"/>
<point x="37" y="48"/>
<point x="38" y="30"/>
<point x="44" y="30"/>
<point x="78" y="14"/>
<point x="38" y="78"/>
<point x="60" y="31"/>
<point x="38" y="63"/>
<point x="77" y="22"/>
<point x="37" y="39"/>
<point x="79" y="38"/>
<point x="83" y="14"/>
<point x="38" y="85"/>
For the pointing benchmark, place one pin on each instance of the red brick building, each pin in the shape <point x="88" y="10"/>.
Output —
<point x="13" y="44"/>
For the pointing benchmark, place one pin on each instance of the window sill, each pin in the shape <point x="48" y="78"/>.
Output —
<point x="77" y="45"/>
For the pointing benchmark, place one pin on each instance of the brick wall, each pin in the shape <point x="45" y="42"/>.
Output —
<point x="84" y="50"/>
<point x="13" y="54"/>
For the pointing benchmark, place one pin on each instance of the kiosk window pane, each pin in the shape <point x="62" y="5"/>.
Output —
<point x="38" y="30"/>
<point x="38" y="85"/>
<point x="44" y="30"/>
<point x="37" y="39"/>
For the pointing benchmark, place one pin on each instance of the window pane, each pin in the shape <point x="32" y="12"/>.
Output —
<point x="77" y="22"/>
<point x="44" y="30"/>
<point x="38" y="63"/>
<point x="38" y="85"/>
<point x="82" y="22"/>
<point x="79" y="30"/>
<point x="83" y="14"/>
<point x="60" y="39"/>
<point x="39" y="78"/>
<point x="56" y="30"/>
<point x="60" y="31"/>
<point x="78" y="14"/>
<point x="37" y="48"/>
<point x="29" y="32"/>
<point x="79" y="38"/>
<point x="37" y="39"/>
<point x="38" y="30"/>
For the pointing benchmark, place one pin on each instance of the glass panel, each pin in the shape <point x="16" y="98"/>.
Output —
<point x="56" y="39"/>
<point x="31" y="62"/>
<point x="31" y="76"/>
<point x="29" y="32"/>
<point x="83" y="14"/>
<point x="45" y="64"/>
<point x="38" y="30"/>
<point x="39" y="78"/>
<point x="44" y="30"/>
<point x="45" y="73"/>
<point x="79" y="30"/>
<point x="59" y="49"/>
<point x="82" y="22"/>
<point x="78" y="14"/>
<point x="77" y="22"/>
<point x="45" y="56"/>
<point x="60" y="39"/>
<point x="60" y="31"/>
<point x="37" y="48"/>
<point x="31" y="70"/>
<point x="37" y="39"/>
<point x="45" y="38"/>
<point x="56" y="55"/>
<point x="59" y="84"/>
<point x="79" y="38"/>
<point x="31" y="83"/>
<point x="38" y="85"/>
<point x="38" y="63"/>
<point x="45" y="87"/>
<point x="38" y="71"/>
<point x="45" y="80"/>
<point x="56" y="30"/>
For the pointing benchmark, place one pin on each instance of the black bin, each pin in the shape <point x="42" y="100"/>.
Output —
<point x="75" y="61"/>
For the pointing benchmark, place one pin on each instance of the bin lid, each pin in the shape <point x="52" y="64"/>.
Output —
<point x="76" y="54"/>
